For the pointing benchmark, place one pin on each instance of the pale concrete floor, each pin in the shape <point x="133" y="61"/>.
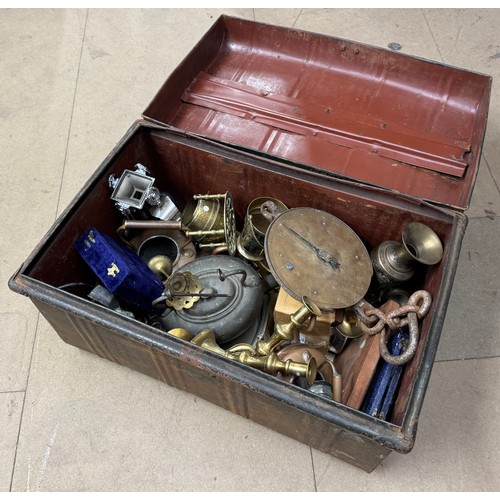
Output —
<point x="72" y="83"/>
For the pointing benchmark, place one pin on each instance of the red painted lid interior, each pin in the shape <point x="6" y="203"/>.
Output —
<point x="365" y="113"/>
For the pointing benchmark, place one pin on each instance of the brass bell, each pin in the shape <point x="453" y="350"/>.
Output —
<point x="394" y="262"/>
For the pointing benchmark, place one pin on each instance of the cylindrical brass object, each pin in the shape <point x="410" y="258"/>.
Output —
<point x="210" y="220"/>
<point x="305" y="312"/>
<point x="197" y="234"/>
<point x="422" y="243"/>
<point x="260" y="213"/>
<point x="204" y="214"/>
<point x="337" y="387"/>
<point x="211" y="232"/>
<point x="286" y="331"/>
<point x="151" y="224"/>
<point x="302" y="353"/>
<point x="155" y="225"/>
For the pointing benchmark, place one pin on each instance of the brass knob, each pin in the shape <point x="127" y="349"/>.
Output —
<point x="161" y="265"/>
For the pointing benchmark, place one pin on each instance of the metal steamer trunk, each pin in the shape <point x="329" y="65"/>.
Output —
<point x="375" y="138"/>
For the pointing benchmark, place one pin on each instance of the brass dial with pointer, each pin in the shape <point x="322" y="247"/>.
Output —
<point x="310" y="252"/>
<point x="322" y="254"/>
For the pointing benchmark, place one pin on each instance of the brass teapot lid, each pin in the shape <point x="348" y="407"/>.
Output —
<point x="311" y="252"/>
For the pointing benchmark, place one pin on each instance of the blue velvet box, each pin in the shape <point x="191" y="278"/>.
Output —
<point x="121" y="271"/>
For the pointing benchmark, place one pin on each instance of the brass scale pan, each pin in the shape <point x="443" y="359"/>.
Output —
<point x="310" y="252"/>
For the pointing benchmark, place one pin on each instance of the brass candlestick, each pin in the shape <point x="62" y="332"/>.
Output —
<point x="285" y="332"/>
<point x="394" y="262"/>
<point x="246" y="355"/>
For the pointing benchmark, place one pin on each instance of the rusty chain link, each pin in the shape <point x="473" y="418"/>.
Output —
<point x="374" y="320"/>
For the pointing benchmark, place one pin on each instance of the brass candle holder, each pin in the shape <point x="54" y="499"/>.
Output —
<point x="245" y="354"/>
<point x="394" y="262"/>
<point x="285" y="332"/>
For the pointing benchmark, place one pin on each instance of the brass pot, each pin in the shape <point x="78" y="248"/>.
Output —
<point x="206" y="215"/>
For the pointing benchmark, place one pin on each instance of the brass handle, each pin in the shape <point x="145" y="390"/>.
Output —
<point x="151" y="224"/>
